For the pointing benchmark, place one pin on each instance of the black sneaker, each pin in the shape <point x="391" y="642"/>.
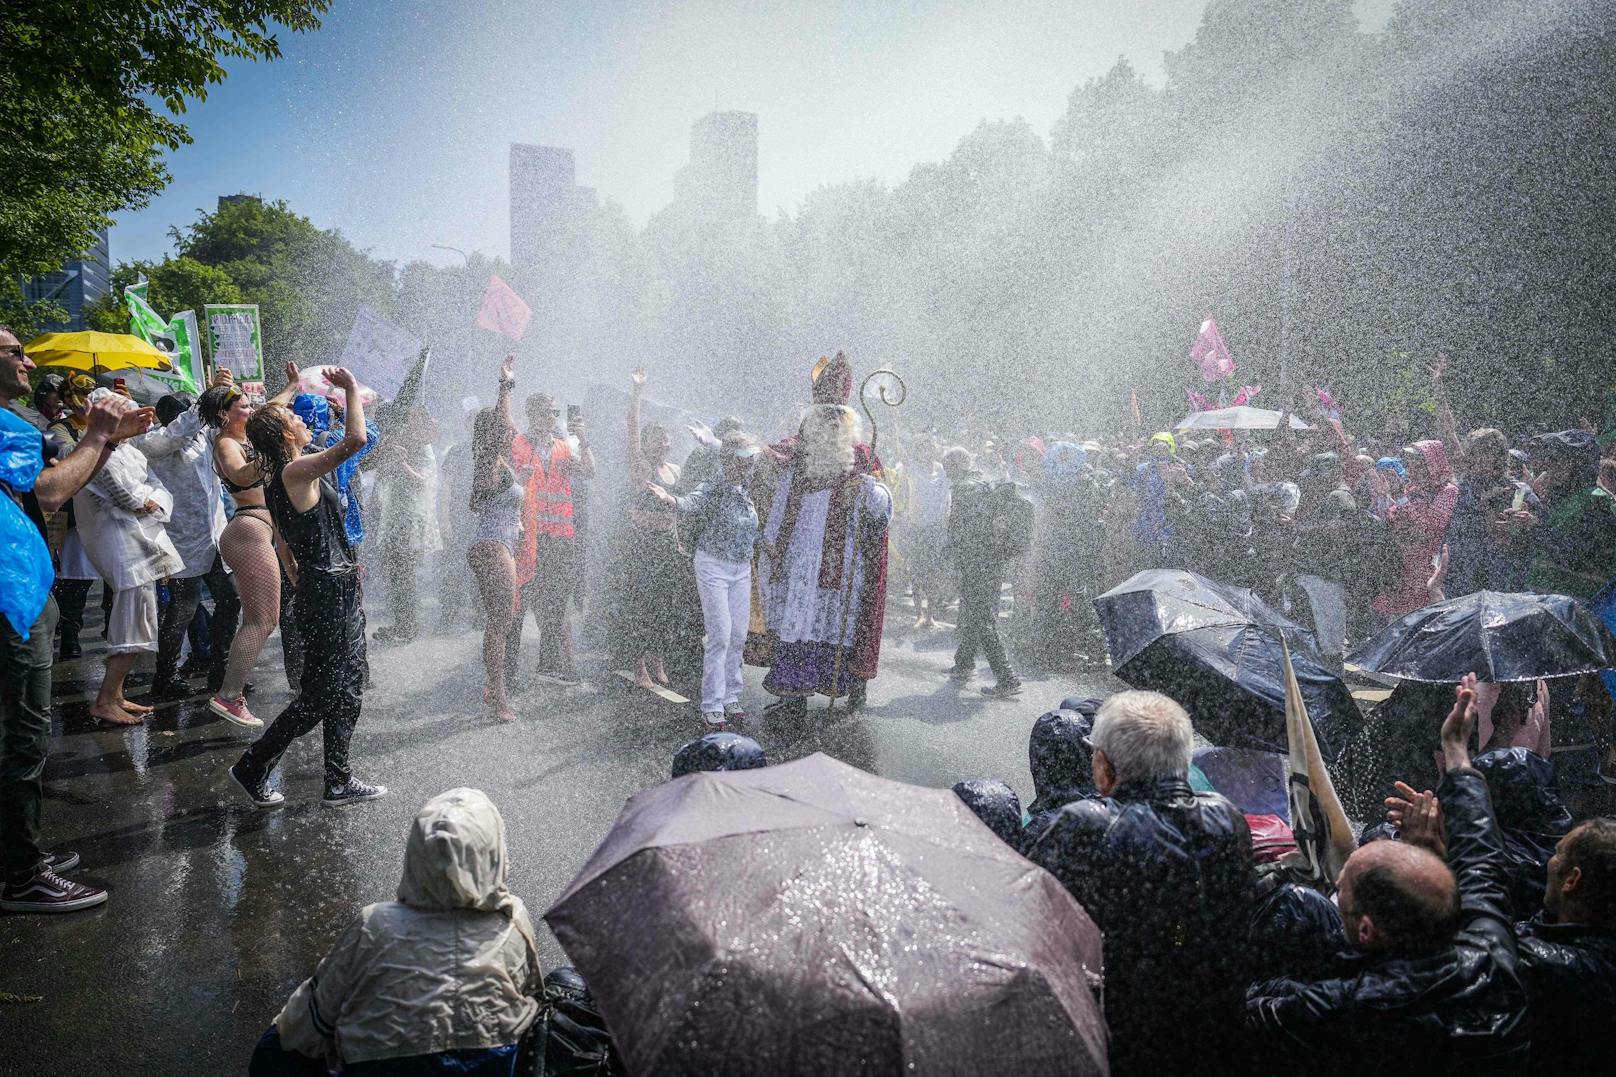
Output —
<point x="258" y="792"/>
<point x="168" y="691"/>
<point x="60" y="862"/>
<point x="1005" y="689"/>
<point x="352" y="792"/>
<point x="47" y="891"/>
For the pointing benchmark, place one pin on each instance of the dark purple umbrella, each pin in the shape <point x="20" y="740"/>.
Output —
<point x="812" y="918"/>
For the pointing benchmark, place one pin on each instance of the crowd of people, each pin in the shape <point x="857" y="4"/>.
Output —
<point x="1475" y="927"/>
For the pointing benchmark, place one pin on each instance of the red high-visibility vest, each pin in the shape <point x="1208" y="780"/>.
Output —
<point x="547" y="508"/>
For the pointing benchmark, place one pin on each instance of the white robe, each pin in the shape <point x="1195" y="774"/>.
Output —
<point x="795" y="607"/>
<point x="181" y="458"/>
<point x="127" y="550"/>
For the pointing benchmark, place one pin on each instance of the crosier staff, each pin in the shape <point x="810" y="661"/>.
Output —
<point x="891" y="400"/>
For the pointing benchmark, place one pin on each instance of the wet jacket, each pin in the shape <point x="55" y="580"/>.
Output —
<point x="1061" y="763"/>
<point x="1166" y="873"/>
<point x="1570" y="974"/>
<point x="996" y="804"/>
<point x="1531" y="817"/>
<point x="1295" y="930"/>
<point x="447" y="967"/>
<point x="1459" y="1010"/>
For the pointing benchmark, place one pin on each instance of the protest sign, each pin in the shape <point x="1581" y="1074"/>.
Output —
<point x="379" y="353"/>
<point x="235" y="339"/>
<point x="175" y="338"/>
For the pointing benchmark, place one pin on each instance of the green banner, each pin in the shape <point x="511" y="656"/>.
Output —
<point x="175" y="338"/>
<point x="234" y="339"/>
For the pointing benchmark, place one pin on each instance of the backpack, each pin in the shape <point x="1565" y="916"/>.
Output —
<point x="998" y="524"/>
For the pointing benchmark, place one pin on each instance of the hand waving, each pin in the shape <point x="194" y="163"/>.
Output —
<point x="1418" y="818"/>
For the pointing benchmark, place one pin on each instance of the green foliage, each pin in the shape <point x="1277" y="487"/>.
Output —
<point x="90" y="95"/>
<point x="26" y="319"/>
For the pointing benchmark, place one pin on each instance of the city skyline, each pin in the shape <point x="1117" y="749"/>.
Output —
<point x="395" y="125"/>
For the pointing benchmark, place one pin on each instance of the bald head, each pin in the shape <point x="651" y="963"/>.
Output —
<point x="1398" y="898"/>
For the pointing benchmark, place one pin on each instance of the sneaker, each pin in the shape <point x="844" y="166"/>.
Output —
<point x="47" y="891"/>
<point x="60" y="862"/>
<point x="717" y="719"/>
<point x="352" y="791"/>
<point x="735" y="711"/>
<point x="235" y="711"/>
<point x="1005" y="689"/>
<point x="959" y="673"/>
<point x="258" y="792"/>
<point x="70" y="650"/>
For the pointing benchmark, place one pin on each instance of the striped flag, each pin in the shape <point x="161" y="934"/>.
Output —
<point x="1323" y="836"/>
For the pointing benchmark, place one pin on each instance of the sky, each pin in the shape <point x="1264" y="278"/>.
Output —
<point x="393" y="123"/>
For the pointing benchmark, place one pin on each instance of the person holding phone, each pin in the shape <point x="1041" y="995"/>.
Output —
<point x="303" y="501"/>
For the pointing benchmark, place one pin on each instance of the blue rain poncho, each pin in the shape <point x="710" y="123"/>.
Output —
<point x="26" y="574"/>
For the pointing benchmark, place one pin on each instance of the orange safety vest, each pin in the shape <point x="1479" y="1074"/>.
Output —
<point x="547" y="508"/>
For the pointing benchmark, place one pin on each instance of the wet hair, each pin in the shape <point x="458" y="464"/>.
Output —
<point x="653" y="432"/>
<point x="172" y="406"/>
<point x="213" y="404"/>
<point x="565" y="982"/>
<point x="1408" y="919"/>
<point x="1488" y="444"/>
<point x="1591" y="847"/>
<point x="267" y="429"/>
<point x="726" y="425"/>
<point x="719" y="751"/>
<point x="1144" y="735"/>
<point x="956" y="458"/>
<point x="490" y="441"/>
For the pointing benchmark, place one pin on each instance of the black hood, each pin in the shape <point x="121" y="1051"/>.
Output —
<point x="1060" y="757"/>
<point x="719" y="751"/>
<point x="996" y="804"/>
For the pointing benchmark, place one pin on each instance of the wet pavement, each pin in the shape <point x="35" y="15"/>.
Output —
<point x="218" y="909"/>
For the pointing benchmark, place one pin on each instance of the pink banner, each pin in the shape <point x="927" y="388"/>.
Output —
<point x="1210" y="355"/>
<point x="503" y="310"/>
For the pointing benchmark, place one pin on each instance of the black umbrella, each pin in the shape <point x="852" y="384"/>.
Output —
<point x="814" y="919"/>
<point x="1216" y="650"/>
<point x="143" y="388"/>
<point x="1497" y="636"/>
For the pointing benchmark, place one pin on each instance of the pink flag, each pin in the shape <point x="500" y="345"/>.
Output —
<point x="503" y="310"/>
<point x="1246" y="394"/>
<point x="1210" y="355"/>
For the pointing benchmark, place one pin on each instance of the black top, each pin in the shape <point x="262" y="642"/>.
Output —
<point x="316" y="537"/>
<point x="251" y="457"/>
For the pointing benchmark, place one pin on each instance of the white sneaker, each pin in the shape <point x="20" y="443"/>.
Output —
<point x="735" y="710"/>
<point x="714" y="718"/>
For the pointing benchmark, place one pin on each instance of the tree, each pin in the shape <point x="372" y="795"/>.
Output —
<point x="90" y="95"/>
<point x="177" y="284"/>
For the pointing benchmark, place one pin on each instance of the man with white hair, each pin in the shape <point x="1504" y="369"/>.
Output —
<point x="1167" y="875"/>
<point x="822" y="570"/>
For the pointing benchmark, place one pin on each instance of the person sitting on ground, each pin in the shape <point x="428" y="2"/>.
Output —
<point x="996" y="804"/>
<point x="1568" y="953"/>
<point x="1061" y="761"/>
<point x="718" y="751"/>
<point x="1436" y="985"/>
<point x="1166" y="873"/>
<point x="439" y="981"/>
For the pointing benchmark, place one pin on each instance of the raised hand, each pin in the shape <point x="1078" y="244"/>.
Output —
<point x="1438" y="368"/>
<point x="341" y="377"/>
<point x="1418" y="818"/>
<point x="1460" y="724"/>
<point x="507" y="369"/>
<point x="638" y="377"/>
<point x="222" y="376"/>
<point x="292" y="372"/>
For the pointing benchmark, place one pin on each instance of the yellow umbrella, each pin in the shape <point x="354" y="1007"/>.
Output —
<point x="94" y="351"/>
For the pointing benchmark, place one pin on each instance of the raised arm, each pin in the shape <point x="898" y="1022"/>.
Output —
<point x="507" y="383"/>
<point x="638" y="473"/>
<point x="106" y="426"/>
<point x="230" y="461"/>
<point x="309" y="469"/>
<point x="289" y="390"/>
<point x="1446" y="424"/>
<point x="170" y="439"/>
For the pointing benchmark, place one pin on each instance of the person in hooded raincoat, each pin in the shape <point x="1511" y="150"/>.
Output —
<point x="1061" y="761"/>
<point x="997" y="805"/>
<point x="1573" y="537"/>
<point x="1419" y="526"/>
<point x="439" y="981"/>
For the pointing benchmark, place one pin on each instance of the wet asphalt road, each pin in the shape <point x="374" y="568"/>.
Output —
<point x="218" y="910"/>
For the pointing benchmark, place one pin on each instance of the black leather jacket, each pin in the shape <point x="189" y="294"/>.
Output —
<point x="1459" y="1010"/>
<point x="1167" y="874"/>
<point x="1570" y="973"/>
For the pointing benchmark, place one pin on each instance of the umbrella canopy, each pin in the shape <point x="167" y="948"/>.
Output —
<point x="812" y="919"/>
<point x="1497" y="636"/>
<point x="1237" y="418"/>
<point x="90" y="350"/>
<point x="1216" y="650"/>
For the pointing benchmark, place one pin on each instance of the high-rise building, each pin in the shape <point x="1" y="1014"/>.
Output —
<point x="721" y="181"/>
<point x="77" y="286"/>
<point x="544" y="198"/>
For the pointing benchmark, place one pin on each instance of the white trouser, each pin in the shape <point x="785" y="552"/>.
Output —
<point x="726" y="610"/>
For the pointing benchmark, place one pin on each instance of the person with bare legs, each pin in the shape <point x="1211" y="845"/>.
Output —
<point x="247" y="543"/>
<point x="496" y="501"/>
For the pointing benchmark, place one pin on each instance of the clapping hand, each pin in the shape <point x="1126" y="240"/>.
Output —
<point x="1418" y="818"/>
<point x="1460" y="724"/>
<point x="341" y="377"/>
